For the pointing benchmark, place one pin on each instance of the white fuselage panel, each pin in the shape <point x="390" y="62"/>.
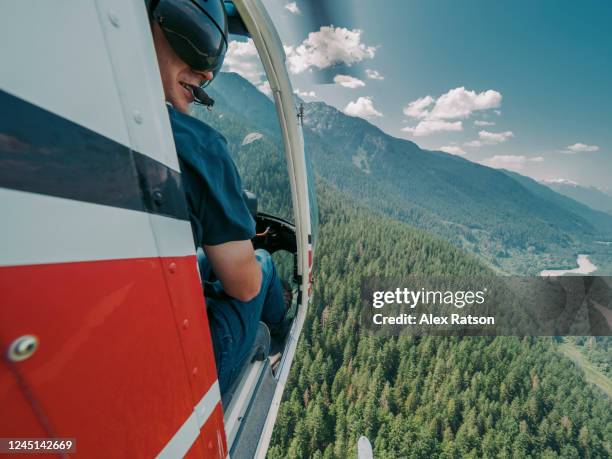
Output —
<point x="91" y="62"/>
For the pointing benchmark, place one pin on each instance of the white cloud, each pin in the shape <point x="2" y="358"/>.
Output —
<point x="293" y="8"/>
<point x="490" y="138"/>
<point x="328" y="46"/>
<point x="362" y="107"/>
<point x="456" y="104"/>
<point x="581" y="148"/>
<point x="493" y="138"/>
<point x="348" y="81"/>
<point x="374" y="75"/>
<point x="453" y="150"/>
<point x="497" y="112"/>
<point x="265" y="88"/>
<point x="561" y="181"/>
<point x="418" y="108"/>
<point x="242" y="58"/>
<point x="483" y="123"/>
<point x="460" y="103"/>
<point x="304" y="94"/>
<point x="510" y="162"/>
<point x="427" y="127"/>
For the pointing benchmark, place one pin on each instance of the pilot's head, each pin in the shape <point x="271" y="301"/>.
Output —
<point x="190" y="38"/>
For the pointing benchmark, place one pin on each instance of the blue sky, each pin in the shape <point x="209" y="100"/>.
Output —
<point x="525" y="85"/>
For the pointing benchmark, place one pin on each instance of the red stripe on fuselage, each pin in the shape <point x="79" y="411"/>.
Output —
<point x="118" y="353"/>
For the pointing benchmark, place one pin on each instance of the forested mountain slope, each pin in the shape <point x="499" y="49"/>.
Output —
<point x="589" y="196"/>
<point x="422" y="397"/>
<point x="412" y="397"/>
<point x="597" y="218"/>
<point x="480" y="209"/>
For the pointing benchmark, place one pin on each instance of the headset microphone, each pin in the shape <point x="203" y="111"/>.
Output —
<point x="201" y="97"/>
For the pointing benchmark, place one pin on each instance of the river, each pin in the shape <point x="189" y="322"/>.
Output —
<point x="585" y="266"/>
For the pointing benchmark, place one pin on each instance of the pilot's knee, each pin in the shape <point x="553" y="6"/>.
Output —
<point x="267" y="265"/>
<point x="264" y="259"/>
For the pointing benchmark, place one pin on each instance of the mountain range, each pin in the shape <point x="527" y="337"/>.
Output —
<point x="514" y="223"/>
<point x="588" y="195"/>
<point x="413" y="396"/>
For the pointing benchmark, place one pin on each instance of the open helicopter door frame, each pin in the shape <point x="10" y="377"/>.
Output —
<point x="102" y="327"/>
<point x="259" y="27"/>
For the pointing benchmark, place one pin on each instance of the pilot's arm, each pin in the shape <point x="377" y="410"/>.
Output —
<point x="221" y="221"/>
<point x="235" y="266"/>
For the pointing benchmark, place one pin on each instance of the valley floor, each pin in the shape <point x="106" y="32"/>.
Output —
<point x="592" y="374"/>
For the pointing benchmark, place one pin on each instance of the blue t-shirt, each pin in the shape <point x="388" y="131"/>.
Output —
<point x="212" y="185"/>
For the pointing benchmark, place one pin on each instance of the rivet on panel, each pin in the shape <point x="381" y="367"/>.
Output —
<point x="114" y="19"/>
<point x="137" y="117"/>
<point x="195" y="371"/>
<point x="172" y="267"/>
<point x="22" y="348"/>
<point x="185" y="324"/>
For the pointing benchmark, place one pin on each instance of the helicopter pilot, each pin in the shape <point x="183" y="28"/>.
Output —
<point x="190" y="39"/>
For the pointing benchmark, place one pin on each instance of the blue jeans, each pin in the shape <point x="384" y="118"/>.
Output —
<point x="234" y="323"/>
